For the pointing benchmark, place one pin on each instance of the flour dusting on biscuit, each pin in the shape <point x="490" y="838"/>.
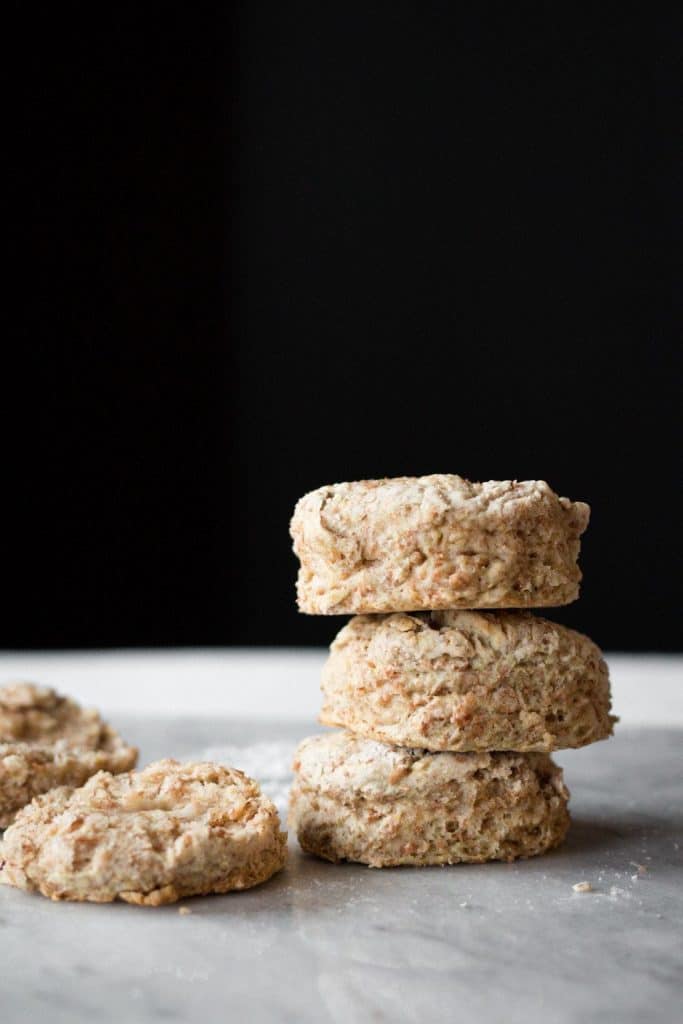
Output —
<point x="359" y="800"/>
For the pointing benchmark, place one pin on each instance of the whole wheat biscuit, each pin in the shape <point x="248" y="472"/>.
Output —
<point x="431" y="542"/>
<point x="47" y="740"/>
<point x="149" y="837"/>
<point x="467" y="680"/>
<point x="358" y="800"/>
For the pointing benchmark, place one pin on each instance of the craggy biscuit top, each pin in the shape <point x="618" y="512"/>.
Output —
<point x="38" y="716"/>
<point x="467" y="640"/>
<point x="349" y="767"/>
<point x="426" y="499"/>
<point x="435" y="542"/>
<point x="167" y="795"/>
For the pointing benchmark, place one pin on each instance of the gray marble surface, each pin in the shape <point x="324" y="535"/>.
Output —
<point x="344" y="943"/>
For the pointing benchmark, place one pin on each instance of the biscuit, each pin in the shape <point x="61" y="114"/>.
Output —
<point x="466" y="681"/>
<point x="432" y="542"/>
<point x="149" y="837"/>
<point x="358" y="800"/>
<point x="47" y="740"/>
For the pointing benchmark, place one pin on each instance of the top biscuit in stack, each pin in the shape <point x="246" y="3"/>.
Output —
<point x="436" y="542"/>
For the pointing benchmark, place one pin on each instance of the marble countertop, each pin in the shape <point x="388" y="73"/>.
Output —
<point x="347" y="944"/>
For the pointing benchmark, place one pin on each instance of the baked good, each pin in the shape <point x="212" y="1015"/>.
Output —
<point x="358" y="800"/>
<point x="47" y="740"/>
<point x="147" y="837"/>
<point x="467" y="680"/>
<point x="432" y="542"/>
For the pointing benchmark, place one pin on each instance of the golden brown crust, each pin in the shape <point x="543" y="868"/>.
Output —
<point x="433" y="542"/>
<point x="467" y="680"/>
<point x="384" y="806"/>
<point x="47" y="740"/>
<point x="150" y="837"/>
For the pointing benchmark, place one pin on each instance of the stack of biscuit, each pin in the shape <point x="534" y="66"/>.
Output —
<point x="451" y="698"/>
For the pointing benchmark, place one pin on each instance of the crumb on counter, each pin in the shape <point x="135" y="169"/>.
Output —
<point x="582" y="887"/>
<point x="642" y="868"/>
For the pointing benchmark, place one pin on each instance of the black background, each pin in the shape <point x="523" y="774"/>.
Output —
<point x="260" y="248"/>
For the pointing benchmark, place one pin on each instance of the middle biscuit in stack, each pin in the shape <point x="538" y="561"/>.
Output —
<point x="450" y="714"/>
<point x="467" y="680"/>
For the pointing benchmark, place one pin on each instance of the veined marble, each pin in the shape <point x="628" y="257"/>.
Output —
<point x="346" y="944"/>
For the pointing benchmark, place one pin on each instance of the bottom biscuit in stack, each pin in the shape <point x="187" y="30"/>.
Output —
<point x="359" y="800"/>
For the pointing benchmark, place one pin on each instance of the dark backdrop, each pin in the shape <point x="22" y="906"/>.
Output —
<point x="262" y="248"/>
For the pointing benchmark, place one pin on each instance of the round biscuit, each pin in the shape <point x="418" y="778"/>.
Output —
<point x="466" y="681"/>
<point x="432" y="542"/>
<point x="358" y="800"/>
<point x="149" y="837"/>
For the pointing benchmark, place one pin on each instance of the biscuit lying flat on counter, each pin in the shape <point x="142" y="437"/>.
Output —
<point x="431" y="542"/>
<point x="359" y="800"/>
<point x="467" y="680"/>
<point x="47" y="740"/>
<point x="149" y="837"/>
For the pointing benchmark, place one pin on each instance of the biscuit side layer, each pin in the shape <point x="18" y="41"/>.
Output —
<point x="462" y="680"/>
<point x="409" y="810"/>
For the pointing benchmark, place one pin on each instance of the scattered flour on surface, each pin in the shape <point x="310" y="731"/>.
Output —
<point x="268" y="763"/>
